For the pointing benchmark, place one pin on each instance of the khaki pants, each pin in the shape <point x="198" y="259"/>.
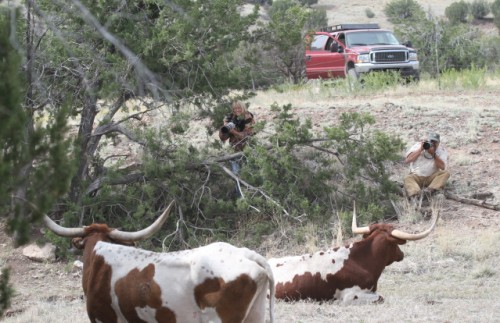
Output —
<point x="414" y="183"/>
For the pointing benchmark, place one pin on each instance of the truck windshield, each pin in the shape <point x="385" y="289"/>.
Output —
<point x="367" y="38"/>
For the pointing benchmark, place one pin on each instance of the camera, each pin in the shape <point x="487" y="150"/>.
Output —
<point x="427" y="145"/>
<point x="226" y="128"/>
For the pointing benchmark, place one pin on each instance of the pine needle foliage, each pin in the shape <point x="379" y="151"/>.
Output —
<point x="6" y="291"/>
<point x="289" y="177"/>
<point x="91" y="49"/>
<point x="35" y="161"/>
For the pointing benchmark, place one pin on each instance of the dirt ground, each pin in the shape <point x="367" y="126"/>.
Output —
<point x="451" y="276"/>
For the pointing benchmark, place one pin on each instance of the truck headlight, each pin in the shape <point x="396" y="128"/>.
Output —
<point x="413" y="56"/>
<point x="363" y="58"/>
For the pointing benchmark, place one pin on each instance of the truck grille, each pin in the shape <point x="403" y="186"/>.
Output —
<point x="388" y="57"/>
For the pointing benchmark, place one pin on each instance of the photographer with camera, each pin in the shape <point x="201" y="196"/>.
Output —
<point x="427" y="161"/>
<point x="238" y="126"/>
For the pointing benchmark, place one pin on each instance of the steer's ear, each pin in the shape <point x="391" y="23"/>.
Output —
<point x="396" y="240"/>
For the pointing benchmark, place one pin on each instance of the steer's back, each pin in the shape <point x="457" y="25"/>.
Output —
<point x="214" y="282"/>
<point x="308" y="275"/>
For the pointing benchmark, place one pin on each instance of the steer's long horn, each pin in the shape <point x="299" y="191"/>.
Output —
<point x="415" y="236"/>
<point x="145" y="233"/>
<point x="355" y="229"/>
<point x="56" y="228"/>
<point x="62" y="231"/>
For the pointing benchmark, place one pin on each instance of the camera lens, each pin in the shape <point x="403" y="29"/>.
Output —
<point x="427" y="145"/>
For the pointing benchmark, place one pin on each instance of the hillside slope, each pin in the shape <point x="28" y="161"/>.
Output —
<point x="354" y="11"/>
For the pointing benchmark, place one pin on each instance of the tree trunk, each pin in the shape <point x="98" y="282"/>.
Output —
<point x="88" y="115"/>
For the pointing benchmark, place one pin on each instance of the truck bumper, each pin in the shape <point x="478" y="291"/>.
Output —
<point x="407" y="69"/>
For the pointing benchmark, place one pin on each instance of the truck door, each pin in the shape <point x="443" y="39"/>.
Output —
<point x="321" y="62"/>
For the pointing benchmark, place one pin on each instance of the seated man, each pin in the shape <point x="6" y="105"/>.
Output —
<point x="427" y="161"/>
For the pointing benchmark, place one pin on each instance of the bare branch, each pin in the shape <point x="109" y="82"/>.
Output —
<point x="178" y="231"/>
<point x="336" y="154"/>
<point x="122" y="98"/>
<point x="202" y="190"/>
<point x="113" y="127"/>
<point x="101" y="181"/>
<point x="236" y="178"/>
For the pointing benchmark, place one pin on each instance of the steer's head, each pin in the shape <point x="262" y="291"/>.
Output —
<point x="385" y="240"/>
<point x="99" y="232"/>
<point x="90" y="235"/>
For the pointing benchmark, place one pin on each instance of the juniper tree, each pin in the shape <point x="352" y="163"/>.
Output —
<point x="35" y="164"/>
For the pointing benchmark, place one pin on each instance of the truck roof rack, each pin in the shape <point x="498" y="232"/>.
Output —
<point x="350" y="27"/>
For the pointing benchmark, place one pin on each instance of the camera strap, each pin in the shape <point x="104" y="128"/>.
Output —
<point x="427" y="155"/>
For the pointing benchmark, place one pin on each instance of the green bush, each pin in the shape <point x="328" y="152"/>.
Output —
<point x="316" y="19"/>
<point x="471" y="79"/>
<point x="369" y="13"/>
<point x="479" y="9"/>
<point x="457" y="12"/>
<point x="308" y="3"/>
<point x="403" y="11"/>
<point x="495" y="9"/>
<point x="380" y="80"/>
<point x="6" y="291"/>
<point x="489" y="47"/>
<point x="442" y="45"/>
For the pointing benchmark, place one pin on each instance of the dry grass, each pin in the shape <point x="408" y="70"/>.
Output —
<point x="449" y="277"/>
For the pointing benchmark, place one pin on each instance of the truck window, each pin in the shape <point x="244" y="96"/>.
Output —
<point x="371" y="38"/>
<point x="329" y="44"/>
<point x="319" y="42"/>
<point x="341" y="39"/>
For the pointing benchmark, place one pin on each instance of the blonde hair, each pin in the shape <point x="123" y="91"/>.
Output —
<point x="241" y="105"/>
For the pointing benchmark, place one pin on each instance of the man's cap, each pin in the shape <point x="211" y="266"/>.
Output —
<point x="434" y="137"/>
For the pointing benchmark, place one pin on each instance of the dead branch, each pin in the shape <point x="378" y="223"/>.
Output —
<point x="465" y="200"/>
<point x="113" y="127"/>
<point x="178" y="232"/>
<point x="197" y="197"/>
<point x="455" y="197"/>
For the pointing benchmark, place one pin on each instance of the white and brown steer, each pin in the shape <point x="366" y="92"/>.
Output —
<point x="214" y="283"/>
<point x="349" y="274"/>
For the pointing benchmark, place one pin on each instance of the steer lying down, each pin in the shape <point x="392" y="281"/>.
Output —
<point x="214" y="283"/>
<point x="349" y="274"/>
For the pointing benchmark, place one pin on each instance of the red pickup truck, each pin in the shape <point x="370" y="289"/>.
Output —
<point x="354" y="49"/>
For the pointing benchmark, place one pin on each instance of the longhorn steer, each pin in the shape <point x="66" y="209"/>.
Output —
<point x="349" y="274"/>
<point x="214" y="283"/>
